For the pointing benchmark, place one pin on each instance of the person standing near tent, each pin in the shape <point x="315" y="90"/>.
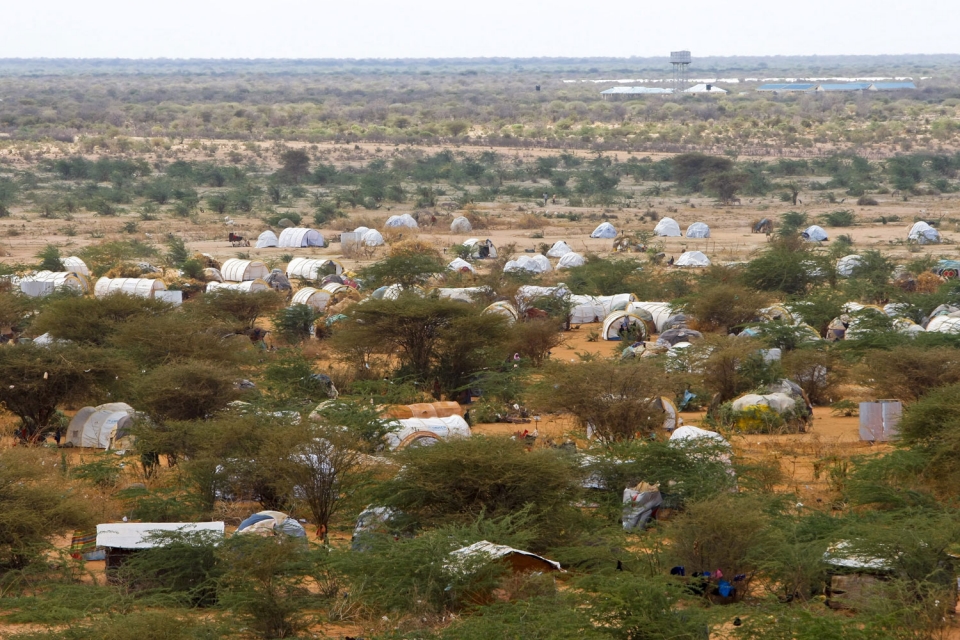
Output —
<point x="624" y="326"/>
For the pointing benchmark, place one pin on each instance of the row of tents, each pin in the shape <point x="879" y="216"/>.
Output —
<point x="666" y="227"/>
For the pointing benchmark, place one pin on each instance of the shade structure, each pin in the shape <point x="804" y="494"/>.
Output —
<point x="296" y="237"/>
<point x="315" y="298"/>
<point x="667" y="227"/>
<point x="237" y="270"/>
<point x="142" y="287"/>
<point x="267" y="239"/>
<point x="604" y="230"/>
<point x="313" y="268"/>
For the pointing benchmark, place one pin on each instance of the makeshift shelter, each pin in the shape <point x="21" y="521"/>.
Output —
<point x="315" y="298"/>
<point x="423" y="410"/>
<point x="43" y="283"/>
<point x="847" y="264"/>
<point x="536" y="264"/>
<point x="313" y="268"/>
<point x="659" y="311"/>
<point x="529" y="292"/>
<point x="459" y="264"/>
<point x="692" y="259"/>
<point x="267" y="239"/>
<point x="248" y="286"/>
<point x="754" y="409"/>
<point x="463" y="294"/>
<point x="340" y="291"/>
<point x="672" y="418"/>
<point x="468" y="558"/>
<point x="460" y="225"/>
<point x="278" y="281"/>
<point x="571" y="260"/>
<point x="622" y="324"/>
<point x="372" y="238"/>
<point x="765" y="225"/>
<point x="559" y="249"/>
<point x="122" y="539"/>
<point x="211" y="274"/>
<point x="640" y="504"/>
<point x="99" y="427"/>
<point x="944" y="324"/>
<point x="405" y="220"/>
<point x="923" y="233"/>
<point x="667" y="227"/>
<point x="480" y="249"/>
<point x="296" y="237"/>
<point x="76" y="265"/>
<point x="271" y="523"/>
<point x="698" y="230"/>
<point x="690" y="433"/>
<point x="604" y="230"/>
<point x="855" y="579"/>
<point x="237" y="270"/>
<point x="361" y="230"/>
<point x="411" y="431"/>
<point x="673" y="337"/>
<point x="814" y="233"/>
<point x="505" y="309"/>
<point x="141" y="287"/>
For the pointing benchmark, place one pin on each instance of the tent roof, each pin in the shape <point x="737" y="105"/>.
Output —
<point x="135" y="535"/>
<point x="493" y="552"/>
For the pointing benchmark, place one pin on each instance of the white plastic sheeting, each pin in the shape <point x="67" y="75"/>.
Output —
<point x="43" y="283"/>
<point x="313" y="268"/>
<point x="692" y="259"/>
<point x="923" y="233"/>
<point x="571" y="260"/>
<point x="267" y="239"/>
<point x="316" y="298"/>
<point x="847" y="264"/>
<point x="460" y="225"/>
<point x="687" y="432"/>
<point x="944" y="324"/>
<point x="459" y="264"/>
<point x="140" y="535"/>
<point x="463" y="294"/>
<point x="814" y="233"/>
<point x="667" y="227"/>
<point x="661" y="312"/>
<point x="559" y="249"/>
<point x="443" y="428"/>
<point x="295" y="237"/>
<point x="142" y="287"/>
<point x="247" y="286"/>
<point x="96" y="427"/>
<point x="75" y="264"/>
<point x="698" y="230"/>
<point x="535" y="264"/>
<point x="405" y="220"/>
<point x="237" y="270"/>
<point x="604" y="230"/>
<point x="372" y="238"/>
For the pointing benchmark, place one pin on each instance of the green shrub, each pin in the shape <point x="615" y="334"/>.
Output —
<point x="841" y="218"/>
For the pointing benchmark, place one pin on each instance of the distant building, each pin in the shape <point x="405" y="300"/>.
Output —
<point x="788" y="87"/>
<point x="705" y="88"/>
<point x="892" y="86"/>
<point x="844" y="86"/>
<point x="633" y="92"/>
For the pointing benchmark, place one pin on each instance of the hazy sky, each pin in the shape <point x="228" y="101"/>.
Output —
<point x="512" y="28"/>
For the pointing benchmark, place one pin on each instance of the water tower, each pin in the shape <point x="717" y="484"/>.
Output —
<point x="680" y="61"/>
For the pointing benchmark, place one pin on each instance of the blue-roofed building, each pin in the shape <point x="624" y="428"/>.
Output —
<point x="785" y="87"/>
<point x="892" y="86"/>
<point x="634" y="92"/>
<point x="844" y="86"/>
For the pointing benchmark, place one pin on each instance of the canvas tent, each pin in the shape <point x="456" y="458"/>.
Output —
<point x="698" y="230"/>
<point x="923" y="233"/>
<point x="316" y="298"/>
<point x="459" y="264"/>
<point x="814" y="233"/>
<point x="142" y="287"/>
<point x="237" y="270"/>
<point x="296" y="237"/>
<point x="571" y="260"/>
<point x="247" y="286"/>
<point x="559" y="249"/>
<point x="405" y="220"/>
<point x="411" y="431"/>
<point x="460" y="225"/>
<point x="480" y="249"/>
<point x="43" y="283"/>
<point x="75" y="264"/>
<point x="99" y="427"/>
<point x="372" y="238"/>
<point x="271" y="523"/>
<point x="660" y="311"/>
<point x="604" y="230"/>
<point x="313" y="268"/>
<point x="535" y="264"/>
<point x="692" y="259"/>
<point x="267" y="239"/>
<point x="667" y="227"/>
<point x="617" y="322"/>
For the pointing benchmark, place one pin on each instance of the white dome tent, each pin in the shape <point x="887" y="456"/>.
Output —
<point x="459" y="264"/>
<point x="372" y="238"/>
<point x="141" y="287"/>
<point x="604" y="230"/>
<point x="405" y="220"/>
<point x="847" y="264"/>
<point x="477" y="248"/>
<point x="667" y="227"/>
<point x="559" y="249"/>
<point x="76" y="265"/>
<point x="460" y="225"/>
<point x="692" y="259"/>
<point x="361" y="230"/>
<point x="267" y="239"/>
<point x="698" y="230"/>
<point x="814" y="233"/>
<point x="237" y="270"/>
<point x="316" y="298"/>
<point x="536" y="264"/>
<point x="923" y="233"/>
<point x="571" y="260"/>
<point x="313" y="268"/>
<point x="247" y="286"/>
<point x="296" y="237"/>
<point x="98" y="427"/>
<point x="43" y="283"/>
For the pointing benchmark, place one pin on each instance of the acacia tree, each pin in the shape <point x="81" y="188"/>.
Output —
<point x="36" y="380"/>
